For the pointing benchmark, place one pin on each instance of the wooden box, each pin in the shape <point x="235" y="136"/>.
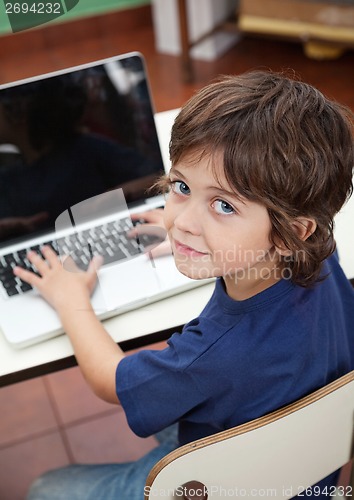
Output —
<point x="323" y="23"/>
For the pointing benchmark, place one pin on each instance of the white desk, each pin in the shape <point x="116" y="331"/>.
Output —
<point x="150" y="323"/>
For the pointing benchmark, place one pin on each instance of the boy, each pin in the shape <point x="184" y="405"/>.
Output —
<point x="260" y="166"/>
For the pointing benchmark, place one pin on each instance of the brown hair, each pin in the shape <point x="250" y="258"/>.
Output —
<point x="286" y="146"/>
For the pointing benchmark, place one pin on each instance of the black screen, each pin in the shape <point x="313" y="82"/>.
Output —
<point x="70" y="136"/>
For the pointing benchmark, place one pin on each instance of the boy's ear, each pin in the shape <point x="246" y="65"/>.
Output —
<point x="304" y="227"/>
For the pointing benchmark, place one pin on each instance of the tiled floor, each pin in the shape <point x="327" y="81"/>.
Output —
<point x="55" y="420"/>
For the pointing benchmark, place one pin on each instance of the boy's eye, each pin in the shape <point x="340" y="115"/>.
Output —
<point x="180" y="187"/>
<point x="222" y="207"/>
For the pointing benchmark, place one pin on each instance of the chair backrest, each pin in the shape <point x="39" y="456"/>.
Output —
<point x="274" y="456"/>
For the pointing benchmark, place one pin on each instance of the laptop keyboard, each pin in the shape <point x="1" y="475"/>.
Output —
<point x="108" y="240"/>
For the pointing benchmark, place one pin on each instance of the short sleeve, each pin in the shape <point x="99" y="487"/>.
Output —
<point x="156" y="388"/>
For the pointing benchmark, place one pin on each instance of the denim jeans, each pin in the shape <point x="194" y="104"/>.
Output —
<point x="123" y="481"/>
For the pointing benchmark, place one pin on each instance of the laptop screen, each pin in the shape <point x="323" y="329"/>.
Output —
<point x="68" y="136"/>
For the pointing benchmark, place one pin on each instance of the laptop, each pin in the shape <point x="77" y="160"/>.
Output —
<point x="78" y="153"/>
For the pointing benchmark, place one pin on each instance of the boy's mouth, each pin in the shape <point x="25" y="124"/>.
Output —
<point x="187" y="250"/>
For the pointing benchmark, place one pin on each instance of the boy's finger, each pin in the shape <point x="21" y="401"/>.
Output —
<point x="160" y="250"/>
<point x="95" y="264"/>
<point x="50" y="256"/>
<point x="153" y="215"/>
<point x="132" y="233"/>
<point x="37" y="260"/>
<point x="136" y="216"/>
<point x="27" y="276"/>
<point x="151" y="230"/>
<point x="68" y="264"/>
<point x="140" y="229"/>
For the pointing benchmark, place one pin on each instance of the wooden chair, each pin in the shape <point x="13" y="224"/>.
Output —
<point x="275" y="456"/>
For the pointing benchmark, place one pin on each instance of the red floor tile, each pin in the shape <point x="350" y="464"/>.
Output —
<point x="25" y="411"/>
<point x="107" y="439"/>
<point x="73" y="398"/>
<point x="22" y="463"/>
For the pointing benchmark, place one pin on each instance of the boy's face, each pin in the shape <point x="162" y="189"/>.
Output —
<point x="214" y="232"/>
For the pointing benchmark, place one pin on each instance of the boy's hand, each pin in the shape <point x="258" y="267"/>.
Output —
<point x="69" y="292"/>
<point x="61" y="288"/>
<point x="152" y="225"/>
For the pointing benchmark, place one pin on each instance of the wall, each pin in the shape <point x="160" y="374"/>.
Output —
<point x="203" y="16"/>
<point x="82" y="9"/>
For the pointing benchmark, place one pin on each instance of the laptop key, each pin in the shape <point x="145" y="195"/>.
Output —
<point x="10" y="283"/>
<point x="25" y="287"/>
<point x="12" y="291"/>
<point x="10" y="260"/>
<point x="6" y="271"/>
<point x="22" y="254"/>
<point x="36" y="248"/>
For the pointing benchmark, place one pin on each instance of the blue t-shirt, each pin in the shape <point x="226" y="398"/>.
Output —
<point x="240" y="360"/>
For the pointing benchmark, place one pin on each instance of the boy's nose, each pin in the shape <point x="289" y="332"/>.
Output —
<point x="189" y="220"/>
